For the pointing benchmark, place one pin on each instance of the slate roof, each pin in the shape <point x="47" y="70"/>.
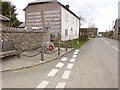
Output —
<point x="22" y="25"/>
<point x="3" y="18"/>
<point x="50" y="1"/>
<point x="117" y="23"/>
<point x="40" y="1"/>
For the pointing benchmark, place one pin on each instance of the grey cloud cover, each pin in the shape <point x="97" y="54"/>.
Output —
<point x="100" y="12"/>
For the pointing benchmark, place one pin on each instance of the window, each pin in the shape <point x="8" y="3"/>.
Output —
<point x="66" y="32"/>
<point x="66" y="17"/>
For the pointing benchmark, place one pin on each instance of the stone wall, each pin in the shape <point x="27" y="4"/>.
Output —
<point x="22" y="39"/>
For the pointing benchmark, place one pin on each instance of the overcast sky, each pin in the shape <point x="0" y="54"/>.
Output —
<point x="102" y="13"/>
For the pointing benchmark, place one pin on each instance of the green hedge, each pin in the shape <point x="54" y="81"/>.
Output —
<point x="76" y="43"/>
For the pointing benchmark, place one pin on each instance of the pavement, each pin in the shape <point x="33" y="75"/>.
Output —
<point x="94" y="65"/>
<point x="15" y="63"/>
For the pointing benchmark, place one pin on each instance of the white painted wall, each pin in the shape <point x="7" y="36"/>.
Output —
<point x="71" y="23"/>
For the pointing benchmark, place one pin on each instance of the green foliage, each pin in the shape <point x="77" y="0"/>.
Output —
<point x="9" y="10"/>
<point x="72" y="43"/>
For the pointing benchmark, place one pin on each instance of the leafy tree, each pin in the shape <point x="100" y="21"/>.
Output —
<point x="8" y="9"/>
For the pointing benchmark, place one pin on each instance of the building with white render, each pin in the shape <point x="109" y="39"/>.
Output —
<point x="117" y="25"/>
<point x="52" y="13"/>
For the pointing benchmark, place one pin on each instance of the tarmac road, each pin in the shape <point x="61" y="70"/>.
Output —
<point x="94" y="65"/>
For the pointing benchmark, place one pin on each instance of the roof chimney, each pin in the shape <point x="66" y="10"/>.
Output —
<point x="67" y="6"/>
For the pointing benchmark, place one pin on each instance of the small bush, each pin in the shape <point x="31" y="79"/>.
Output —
<point x="72" y="43"/>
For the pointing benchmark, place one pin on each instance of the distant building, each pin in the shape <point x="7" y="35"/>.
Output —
<point x="89" y="32"/>
<point x="61" y="20"/>
<point x="103" y="34"/>
<point x="4" y="21"/>
<point x="117" y="29"/>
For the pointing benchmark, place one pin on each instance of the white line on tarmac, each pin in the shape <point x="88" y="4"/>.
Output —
<point x="64" y="59"/>
<point x="53" y="72"/>
<point x="43" y="84"/>
<point x="74" y="56"/>
<point x="107" y="42"/>
<point x="70" y="66"/>
<point x="60" y="64"/>
<point x="115" y="48"/>
<point x="75" y="52"/>
<point x="61" y="85"/>
<point x="66" y="74"/>
<point x="72" y="60"/>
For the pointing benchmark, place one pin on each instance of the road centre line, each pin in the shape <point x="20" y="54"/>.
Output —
<point x="72" y="60"/>
<point x="61" y="85"/>
<point x="53" y="72"/>
<point x="107" y="42"/>
<point x="70" y="66"/>
<point x="43" y="84"/>
<point x="66" y="74"/>
<point x="64" y="59"/>
<point x="115" y="48"/>
<point x="60" y="64"/>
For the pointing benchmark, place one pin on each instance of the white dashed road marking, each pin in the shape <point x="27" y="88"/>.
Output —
<point x="43" y="84"/>
<point x="75" y="52"/>
<point x="53" y="72"/>
<point x="115" y="48"/>
<point x="107" y="42"/>
<point x="74" y="56"/>
<point x="64" y="59"/>
<point x="66" y="74"/>
<point x="60" y="64"/>
<point x="61" y="85"/>
<point x="70" y="65"/>
<point x="72" y="60"/>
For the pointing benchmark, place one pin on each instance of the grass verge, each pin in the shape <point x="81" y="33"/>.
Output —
<point x="72" y="43"/>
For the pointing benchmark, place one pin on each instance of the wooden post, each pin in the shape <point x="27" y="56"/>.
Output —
<point x="18" y="55"/>
<point x="58" y="47"/>
<point x="42" y="53"/>
<point x="66" y="45"/>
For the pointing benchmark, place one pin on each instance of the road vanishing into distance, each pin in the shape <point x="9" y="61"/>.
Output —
<point x="94" y="65"/>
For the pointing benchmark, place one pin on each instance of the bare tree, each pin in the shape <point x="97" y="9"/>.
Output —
<point x="82" y="21"/>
